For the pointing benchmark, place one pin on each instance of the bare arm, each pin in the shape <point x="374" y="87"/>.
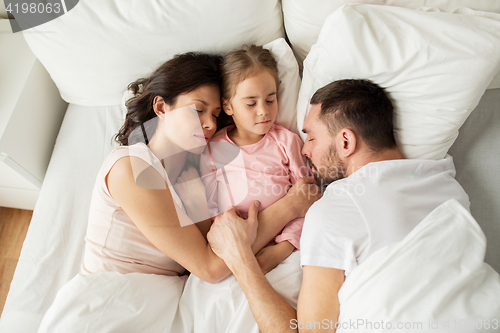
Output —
<point x="271" y="311"/>
<point x="157" y="216"/>
<point x="294" y="204"/>
<point x="229" y="240"/>
<point x="318" y="299"/>
<point x="270" y="256"/>
<point x="272" y="219"/>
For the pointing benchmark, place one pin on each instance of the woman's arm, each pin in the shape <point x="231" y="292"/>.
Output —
<point x="160" y="220"/>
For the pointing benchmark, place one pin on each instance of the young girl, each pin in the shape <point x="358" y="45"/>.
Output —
<point x="254" y="159"/>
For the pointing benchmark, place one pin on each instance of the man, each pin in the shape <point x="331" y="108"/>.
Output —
<point x="375" y="197"/>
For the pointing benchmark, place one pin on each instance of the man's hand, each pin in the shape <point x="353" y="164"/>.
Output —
<point x="231" y="236"/>
<point x="303" y="194"/>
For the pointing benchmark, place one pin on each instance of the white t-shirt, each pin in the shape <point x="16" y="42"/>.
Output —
<point x="377" y="205"/>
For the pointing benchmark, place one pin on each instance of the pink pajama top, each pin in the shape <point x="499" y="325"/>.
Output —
<point x="113" y="241"/>
<point x="237" y="175"/>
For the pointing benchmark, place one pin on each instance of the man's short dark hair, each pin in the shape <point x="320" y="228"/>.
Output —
<point x="360" y="105"/>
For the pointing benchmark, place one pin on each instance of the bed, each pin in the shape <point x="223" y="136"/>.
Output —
<point x="98" y="47"/>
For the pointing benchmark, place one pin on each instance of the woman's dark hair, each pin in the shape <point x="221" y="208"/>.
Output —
<point x="360" y="105"/>
<point x="181" y="74"/>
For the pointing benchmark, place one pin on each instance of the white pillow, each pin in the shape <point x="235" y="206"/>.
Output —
<point x="435" y="66"/>
<point x="288" y="72"/>
<point x="304" y="19"/>
<point x="95" y="50"/>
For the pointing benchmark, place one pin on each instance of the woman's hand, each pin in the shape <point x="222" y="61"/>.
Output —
<point x="191" y="190"/>
<point x="270" y="256"/>
<point x="302" y="195"/>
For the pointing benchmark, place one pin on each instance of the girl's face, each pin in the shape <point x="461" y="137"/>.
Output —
<point x="254" y="106"/>
<point x="191" y="122"/>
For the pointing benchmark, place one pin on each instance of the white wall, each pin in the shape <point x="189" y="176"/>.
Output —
<point x="3" y="13"/>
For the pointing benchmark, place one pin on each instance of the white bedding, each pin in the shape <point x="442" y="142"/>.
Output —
<point x="113" y="302"/>
<point x="53" y="248"/>
<point x="435" y="278"/>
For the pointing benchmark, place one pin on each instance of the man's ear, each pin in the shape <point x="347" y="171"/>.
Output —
<point x="159" y="106"/>
<point x="347" y="141"/>
<point x="226" y="106"/>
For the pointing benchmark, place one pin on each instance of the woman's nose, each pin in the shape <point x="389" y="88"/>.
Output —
<point x="208" y="122"/>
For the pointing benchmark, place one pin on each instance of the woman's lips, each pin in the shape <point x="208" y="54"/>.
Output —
<point x="202" y="138"/>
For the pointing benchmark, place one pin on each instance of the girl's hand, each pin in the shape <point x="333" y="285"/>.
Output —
<point x="270" y="256"/>
<point x="191" y="190"/>
<point x="303" y="194"/>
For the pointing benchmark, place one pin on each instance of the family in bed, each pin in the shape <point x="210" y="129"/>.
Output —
<point x="240" y="207"/>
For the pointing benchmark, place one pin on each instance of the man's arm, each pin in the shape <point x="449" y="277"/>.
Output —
<point x="231" y="238"/>
<point x="271" y="311"/>
<point x="318" y="306"/>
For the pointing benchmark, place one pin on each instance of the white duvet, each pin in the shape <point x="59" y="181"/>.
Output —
<point x="432" y="281"/>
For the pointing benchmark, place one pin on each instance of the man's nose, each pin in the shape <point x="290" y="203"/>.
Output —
<point x="305" y="150"/>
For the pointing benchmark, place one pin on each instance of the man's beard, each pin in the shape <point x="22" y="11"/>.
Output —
<point x="331" y="169"/>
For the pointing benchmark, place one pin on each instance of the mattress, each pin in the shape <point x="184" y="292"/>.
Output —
<point x="53" y="249"/>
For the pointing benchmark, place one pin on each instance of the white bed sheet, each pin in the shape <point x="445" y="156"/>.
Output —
<point x="53" y="249"/>
<point x="446" y="281"/>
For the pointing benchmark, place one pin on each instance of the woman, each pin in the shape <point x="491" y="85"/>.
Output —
<point x="137" y="219"/>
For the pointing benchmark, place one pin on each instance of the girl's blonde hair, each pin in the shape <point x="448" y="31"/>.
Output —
<point x="238" y="65"/>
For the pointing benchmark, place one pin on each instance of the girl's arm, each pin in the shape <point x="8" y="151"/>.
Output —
<point x="294" y="204"/>
<point x="271" y="256"/>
